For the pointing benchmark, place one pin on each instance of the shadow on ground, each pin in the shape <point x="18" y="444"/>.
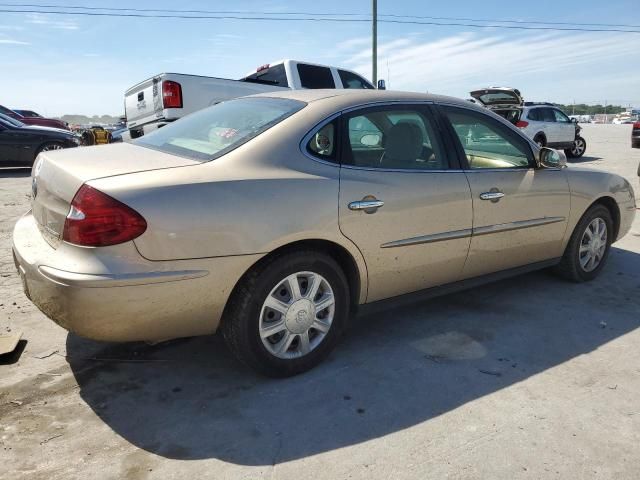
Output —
<point x="14" y="172"/>
<point x="584" y="159"/>
<point x="189" y="399"/>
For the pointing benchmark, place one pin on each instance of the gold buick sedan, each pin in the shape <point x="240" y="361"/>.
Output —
<point x="272" y="218"/>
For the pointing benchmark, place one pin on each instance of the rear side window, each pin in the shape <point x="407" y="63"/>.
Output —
<point x="214" y="131"/>
<point x="351" y="80"/>
<point x="313" y="76"/>
<point x="398" y="138"/>
<point x="323" y="143"/>
<point x="547" y="115"/>
<point x="534" y="114"/>
<point x="275" y="75"/>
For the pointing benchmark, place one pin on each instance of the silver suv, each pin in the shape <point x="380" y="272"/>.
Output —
<point x="545" y="123"/>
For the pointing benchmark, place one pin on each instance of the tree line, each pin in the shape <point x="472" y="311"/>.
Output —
<point x="584" y="109"/>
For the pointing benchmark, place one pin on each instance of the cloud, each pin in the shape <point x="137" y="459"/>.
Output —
<point x="4" y="40"/>
<point x="457" y="63"/>
<point x="48" y="21"/>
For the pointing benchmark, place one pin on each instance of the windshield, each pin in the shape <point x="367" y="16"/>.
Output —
<point x="214" y="131"/>
<point x="11" y="121"/>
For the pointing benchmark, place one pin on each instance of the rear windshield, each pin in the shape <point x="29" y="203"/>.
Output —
<point x="214" y="131"/>
<point x="275" y="75"/>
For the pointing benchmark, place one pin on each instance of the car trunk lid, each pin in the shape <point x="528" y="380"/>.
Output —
<point x="57" y="176"/>
<point x="498" y="97"/>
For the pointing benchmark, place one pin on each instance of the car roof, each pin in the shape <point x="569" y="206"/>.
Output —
<point x="345" y="98"/>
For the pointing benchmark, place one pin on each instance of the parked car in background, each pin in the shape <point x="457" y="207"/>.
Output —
<point x="544" y="122"/>
<point x="166" y="97"/>
<point x="119" y="135"/>
<point x="27" y="113"/>
<point x="635" y="135"/>
<point x="272" y="217"/>
<point x="43" y="122"/>
<point x="20" y="144"/>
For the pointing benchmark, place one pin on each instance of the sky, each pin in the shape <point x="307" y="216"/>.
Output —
<point x="57" y="64"/>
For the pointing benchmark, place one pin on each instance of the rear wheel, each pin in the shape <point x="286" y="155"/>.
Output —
<point x="578" y="149"/>
<point x="288" y="314"/>
<point x="588" y="247"/>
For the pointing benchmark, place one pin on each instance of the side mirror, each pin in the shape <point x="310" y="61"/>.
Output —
<point x="574" y="120"/>
<point x="550" y="158"/>
<point x="382" y="85"/>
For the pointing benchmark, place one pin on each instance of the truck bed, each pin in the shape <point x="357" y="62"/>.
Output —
<point x="144" y="101"/>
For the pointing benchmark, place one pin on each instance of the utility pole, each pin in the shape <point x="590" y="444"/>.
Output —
<point x="374" y="53"/>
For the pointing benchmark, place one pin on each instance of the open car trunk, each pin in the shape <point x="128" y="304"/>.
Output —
<point x="506" y="102"/>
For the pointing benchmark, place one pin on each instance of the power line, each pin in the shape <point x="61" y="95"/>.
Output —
<point x="311" y="19"/>
<point x="314" y="14"/>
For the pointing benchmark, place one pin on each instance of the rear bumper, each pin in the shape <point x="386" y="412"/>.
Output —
<point x="635" y="142"/>
<point x="127" y="299"/>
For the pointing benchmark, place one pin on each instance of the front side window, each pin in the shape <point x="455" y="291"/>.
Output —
<point x="214" y="131"/>
<point x="314" y="76"/>
<point x="351" y="80"/>
<point x="560" y="117"/>
<point x="487" y="143"/>
<point x="393" y="138"/>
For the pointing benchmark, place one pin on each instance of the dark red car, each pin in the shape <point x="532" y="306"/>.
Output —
<point x="42" y="122"/>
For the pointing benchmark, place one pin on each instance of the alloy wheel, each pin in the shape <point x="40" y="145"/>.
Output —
<point x="52" y="146"/>
<point x="297" y="315"/>
<point x="593" y="245"/>
<point x="578" y="147"/>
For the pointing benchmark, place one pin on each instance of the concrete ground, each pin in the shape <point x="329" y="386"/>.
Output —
<point x="532" y="377"/>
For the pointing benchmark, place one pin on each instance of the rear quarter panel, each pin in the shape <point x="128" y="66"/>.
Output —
<point x="261" y="196"/>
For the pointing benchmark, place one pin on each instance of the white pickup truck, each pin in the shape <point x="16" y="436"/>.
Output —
<point x="167" y="97"/>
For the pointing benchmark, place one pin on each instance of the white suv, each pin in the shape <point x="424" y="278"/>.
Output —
<point x="545" y="123"/>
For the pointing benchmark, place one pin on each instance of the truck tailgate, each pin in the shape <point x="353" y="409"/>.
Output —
<point x="143" y="102"/>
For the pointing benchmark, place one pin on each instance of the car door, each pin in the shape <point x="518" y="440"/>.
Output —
<point x="403" y="199"/>
<point x="519" y="212"/>
<point x="565" y="128"/>
<point x="550" y="126"/>
<point x="12" y="146"/>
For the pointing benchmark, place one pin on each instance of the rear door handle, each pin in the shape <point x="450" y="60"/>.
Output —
<point x="369" y="206"/>
<point x="493" y="196"/>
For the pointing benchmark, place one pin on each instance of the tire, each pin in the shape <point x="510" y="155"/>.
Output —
<point x="45" y="147"/>
<point x="540" y="140"/>
<point x="247" y="317"/>
<point x="578" y="149"/>
<point x="570" y="267"/>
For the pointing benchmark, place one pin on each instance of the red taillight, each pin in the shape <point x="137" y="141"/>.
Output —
<point x="97" y="220"/>
<point x="171" y="94"/>
<point x="636" y="125"/>
<point x="522" y="124"/>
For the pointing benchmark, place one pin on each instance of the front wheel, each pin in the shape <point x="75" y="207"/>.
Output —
<point x="288" y="314"/>
<point x="578" y="149"/>
<point x="588" y="247"/>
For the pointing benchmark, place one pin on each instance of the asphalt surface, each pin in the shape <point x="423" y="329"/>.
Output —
<point x="531" y="377"/>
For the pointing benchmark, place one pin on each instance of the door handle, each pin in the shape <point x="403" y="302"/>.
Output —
<point x="369" y="206"/>
<point x="493" y="196"/>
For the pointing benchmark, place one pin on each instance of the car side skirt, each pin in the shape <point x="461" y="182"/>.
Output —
<point x="454" y="287"/>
